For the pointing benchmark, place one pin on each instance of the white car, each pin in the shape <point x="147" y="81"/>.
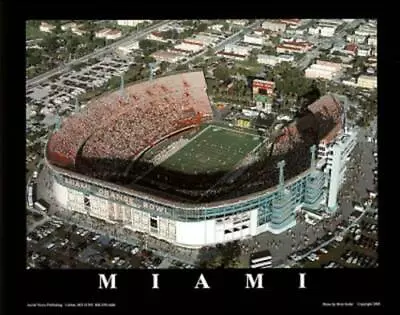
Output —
<point x="135" y="251"/>
<point x="96" y="237"/>
<point x="323" y="250"/>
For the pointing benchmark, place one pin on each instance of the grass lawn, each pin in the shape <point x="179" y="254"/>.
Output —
<point x="214" y="149"/>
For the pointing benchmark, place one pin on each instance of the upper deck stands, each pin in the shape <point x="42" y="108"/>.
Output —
<point x="148" y="111"/>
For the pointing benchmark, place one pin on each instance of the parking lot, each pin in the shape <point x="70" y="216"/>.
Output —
<point x="58" y="95"/>
<point x="68" y="246"/>
<point x="56" y="244"/>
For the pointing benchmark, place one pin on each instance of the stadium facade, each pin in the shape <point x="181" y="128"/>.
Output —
<point x="191" y="224"/>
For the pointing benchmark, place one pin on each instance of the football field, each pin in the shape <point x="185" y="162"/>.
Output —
<point x="214" y="149"/>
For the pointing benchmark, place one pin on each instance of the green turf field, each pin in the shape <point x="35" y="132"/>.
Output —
<point x="213" y="149"/>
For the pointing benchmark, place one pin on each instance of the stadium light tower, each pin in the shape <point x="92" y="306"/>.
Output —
<point x="152" y="66"/>
<point x="281" y="165"/>
<point x="121" y="89"/>
<point x="58" y="122"/>
<point x="76" y="105"/>
<point x="312" y="150"/>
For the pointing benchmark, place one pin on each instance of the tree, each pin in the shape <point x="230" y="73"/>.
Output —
<point x="187" y="23"/>
<point x="336" y="59"/>
<point x="138" y="59"/>
<point x="148" y="59"/>
<point x="72" y="43"/>
<point x="148" y="45"/>
<point x="163" y="66"/>
<point x="359" y="63"/>
<point x="182" y="67"/>
<point x="253" y="57"/>
<point x="210" y="52"/>
<point x="225" y="26"/>
<point x="77" y="66"/>
<point x="275" y="40"/>
<point x="171" y="34"/>
<point x="202" y="27"/>
<point x="269" y="50"/>
<point x="50" y="44"/>
<point x="33" y="57"/>
<point x="221" y="73"/>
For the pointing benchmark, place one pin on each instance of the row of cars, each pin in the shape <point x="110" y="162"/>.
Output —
<point x="123" y="246"/>
<point x="359" y="259"/>
<point x="175" y="264"/>
<point x="333" y="264"/>
<point x="43" y="231"/>
<point x="314" y="256"/>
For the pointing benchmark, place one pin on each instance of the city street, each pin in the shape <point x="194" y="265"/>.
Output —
<point x="303" y="63"/>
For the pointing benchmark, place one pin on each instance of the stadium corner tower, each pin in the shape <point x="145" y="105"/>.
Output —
<point x="111" y="161"/>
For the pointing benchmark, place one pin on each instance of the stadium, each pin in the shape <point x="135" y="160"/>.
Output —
<point x="150" y="158"/>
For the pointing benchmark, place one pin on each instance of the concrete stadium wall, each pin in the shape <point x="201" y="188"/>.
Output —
<point x="60" y="193"/>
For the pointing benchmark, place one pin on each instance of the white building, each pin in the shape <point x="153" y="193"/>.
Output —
<point x="238" y="49"/>
<point x="367" y="81"/>
<point x="260" y="32"/>
<point x="77" y="31"/>
<point x="131" y="23"/>
<point x="113" y="34"/>
<point x="190" y="46"/>
<point x="271" y="60"/>
<point x="327" y="31"/>
<point x="216" y="27"/>
<point x="338" y="156"/>
<point x="156" y="36"/>
<point x="325" y="28"/>
<point x="366" y="30"/>
<point x="46" y="27"/>
<point x="358" y="39"/>
<point x="238" y="22"/>
<point x="323" y="69"/>
<point x="364" y="51"/>
<point x="128" y="48"/>
<point x="68" y="26"/>
<point x="286" y="58"/>
<point x="168" y="56"/>
<point x="350" y="82"/>
<point x="320" y="71"/>
<point x="373" y="41"/>
<point x="253" y="39"/>
<point x="292" y="23"/>
<point x="313" y="30"/>
<point x="108" y="34"/>
<point x="293" y="47"/>
<point x="206" y="39"/>
<point x="274" y="26"/>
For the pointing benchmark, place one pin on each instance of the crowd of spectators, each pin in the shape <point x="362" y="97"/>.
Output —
<point x="115" y="128"/>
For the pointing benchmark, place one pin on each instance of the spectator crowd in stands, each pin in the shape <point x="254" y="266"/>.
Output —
<point x="115" y="128"/>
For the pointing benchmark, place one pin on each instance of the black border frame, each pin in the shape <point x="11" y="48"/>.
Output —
<point x="281" y="291"/>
